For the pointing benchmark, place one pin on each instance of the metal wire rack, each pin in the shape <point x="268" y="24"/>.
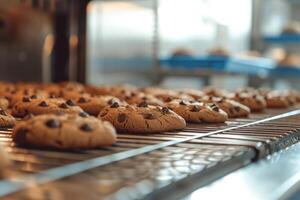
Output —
<point x="148" y="165"/>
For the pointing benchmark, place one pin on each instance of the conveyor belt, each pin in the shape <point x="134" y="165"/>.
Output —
<point x="144" y="165"/>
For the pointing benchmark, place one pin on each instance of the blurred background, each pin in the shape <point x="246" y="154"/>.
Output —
<point x="172" y="43"/>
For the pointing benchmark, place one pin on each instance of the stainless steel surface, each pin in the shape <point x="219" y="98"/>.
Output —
<point x="152" y="164"/>
<point x="276" y="177"/>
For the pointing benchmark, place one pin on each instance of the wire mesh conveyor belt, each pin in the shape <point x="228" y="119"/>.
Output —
<point x="145" y="165"/>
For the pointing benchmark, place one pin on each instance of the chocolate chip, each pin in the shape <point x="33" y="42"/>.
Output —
<point x="143" y="104"/>
<point x="69" y="102"/>
<point x="215" y="108"/>
<point x="2" y="112"/>
<point x="52" y="96"/>
<point x="237" y="108"/>
<point x="127" y="97"/>
<point x="144" y="98"/>
<point x="254" y="96"/>
<point x="111" y="101"/>
<point x="210" y="98"/>
<point x="20" y="136"/>
<point x="168" y="99"/>
<point x="133" y="94"/>
<point x="52" y="123"/>
<point x="43" y="104"/>
<point x="122" y="118"/>
<point x="149" y="116"/>
<point x="26" y="99"/>
<point x="182" y="102"/>
<point x="83" y="114"/>
<point x="165" y="110"/>
<point x="33" y="96"/>
<point x="82" y="100"/>
<point x="195" y="108"/>
<point x="86" y="127"/>
<point x="237" y="95"/>
<point x="63" y="105"/>
<point x="220" y="101"/>
<point x="115" y="105"/>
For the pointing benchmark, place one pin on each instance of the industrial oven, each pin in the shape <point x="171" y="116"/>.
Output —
<point x="255" y="155"/>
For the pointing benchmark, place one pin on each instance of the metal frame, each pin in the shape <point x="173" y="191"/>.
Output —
<point x="203" y="134"/>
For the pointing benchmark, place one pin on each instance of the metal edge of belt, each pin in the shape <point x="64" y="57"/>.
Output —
<point x="10" y="186"/>
<point x="181" y="188"/>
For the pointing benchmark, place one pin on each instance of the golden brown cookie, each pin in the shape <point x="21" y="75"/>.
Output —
<point x="197" y="112"/>
<point x="93" y="105"/>
<point x="44" y="106"/>
<point x="64" y="132"/>
<point x="6" y="120"/>
<point x="255" y="102"/>
<point x="166" y="95"/>
<point x="139" y="97"/>
<point x="4" y="103"/>
<point x="142" y="119"/>
<point x="196" y="94"/>
<point x="231" y="107"/>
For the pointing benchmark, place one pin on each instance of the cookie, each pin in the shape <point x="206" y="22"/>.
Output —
<point x="112" y="90"/>
<point x="136" y="98"/>
<point x="255" y="102"/>
<point x="197" y="112"/>
<point x="72" y="86"/>
<point x="93" y="105"/>
<point x="66" y="131"/>
<point x="231" y="107"/>
<point x="219" y="51"/>
<point x="4" y="103"/>
<point x="6" y="120"/>
<point x="44" y="106"/>
<point x="166" y="95"/>
<point x="276" y="99"/>
<point x="142" y="119"/>
<point x="20" y="94"/>
<point x="66" y="94"/>
<point x="54" y="90"/>
<point x="196" y="94"/>
<point x="213" y="91"/>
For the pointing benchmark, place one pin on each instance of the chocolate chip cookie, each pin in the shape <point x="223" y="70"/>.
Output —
<point x="4" y="103"/>
<point x="196" y="94"/>
<point x="255" y="102"/>
<point x="139" y="97"/>
<point x="93" y="105"/>
<point x="66" y="131"/>
<point x="166" y="95"/>
<point x="276" y="99"/>
<point x="231" y="107"/>
<point x="44" y="106"/>
<point x="6" y="120"/>
<point x="197" y="112"/>
<point x="142" y="119"/>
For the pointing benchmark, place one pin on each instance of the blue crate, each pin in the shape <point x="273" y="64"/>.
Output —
<point x="285" y="71"/>
<point x="284" y="38"/>
<point x="189" y="62"/>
